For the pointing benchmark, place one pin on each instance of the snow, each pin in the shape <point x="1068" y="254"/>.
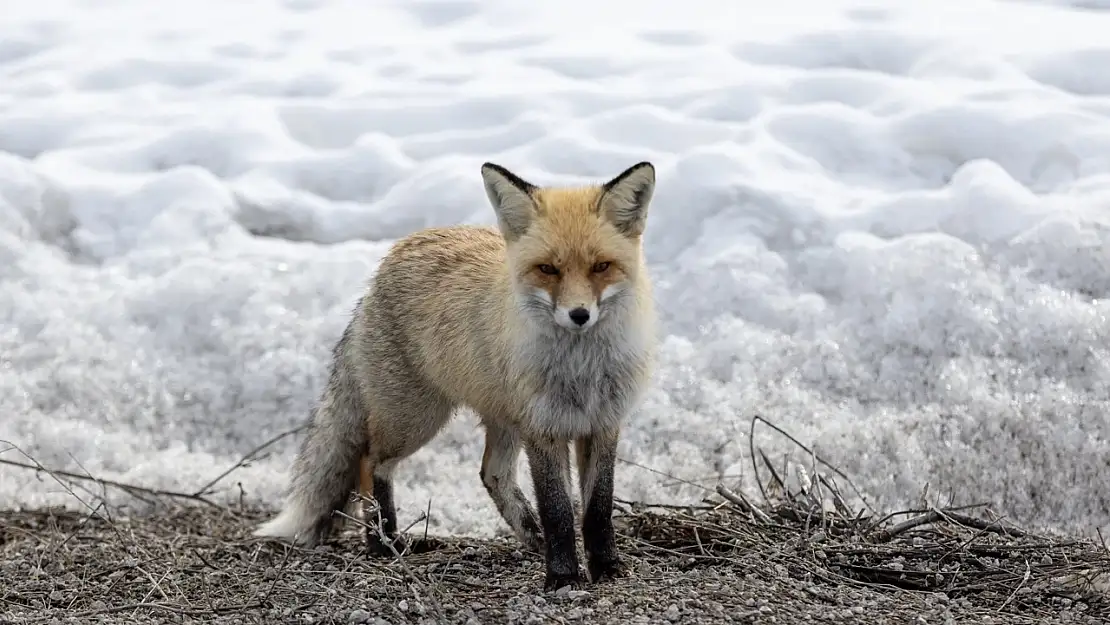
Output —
<point x="884" y="228"/>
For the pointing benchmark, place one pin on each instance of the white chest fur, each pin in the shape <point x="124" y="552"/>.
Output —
<point x="585" y="383"/>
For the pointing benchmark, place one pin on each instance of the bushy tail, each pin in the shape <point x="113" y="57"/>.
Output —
<point x="327" y="466"/>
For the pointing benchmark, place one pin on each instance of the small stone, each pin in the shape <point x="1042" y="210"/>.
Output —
<point x="1046" y="560"/>
<point x="357" y="617"/>
<point x="563" y="591"/>
<point x="575" y="595"/>
<point x="604" y="604"/>
<point x="269" y="573"/>
<point x="671" y="614"/>
<point x="57" y="596"/>
<point x="817" y="537"/>
<point x="403" y="605"/>
<point x="469" y="551"/>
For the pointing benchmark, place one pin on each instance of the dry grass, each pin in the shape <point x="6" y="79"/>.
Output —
<point x="801" y="555"/>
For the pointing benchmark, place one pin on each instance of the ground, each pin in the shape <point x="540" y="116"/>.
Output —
<point x="727" y="561"/>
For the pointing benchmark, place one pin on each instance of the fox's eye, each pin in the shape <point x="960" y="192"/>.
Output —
<point x="549" y="270"/>
<point x="600" y="267"/>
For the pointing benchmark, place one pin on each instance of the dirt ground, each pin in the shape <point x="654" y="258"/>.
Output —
<point x="725" y="562"/>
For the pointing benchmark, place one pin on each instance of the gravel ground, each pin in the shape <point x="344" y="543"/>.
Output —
<point x="728" y="562"/>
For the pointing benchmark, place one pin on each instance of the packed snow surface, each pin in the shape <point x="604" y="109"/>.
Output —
<point x="885" y="228"/>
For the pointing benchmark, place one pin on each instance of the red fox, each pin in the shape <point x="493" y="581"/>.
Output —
<point x="543" y="326"/>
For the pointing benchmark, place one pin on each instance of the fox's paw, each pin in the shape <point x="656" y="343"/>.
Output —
<point x="555" y="581"/>
<point x="602" y="569"/>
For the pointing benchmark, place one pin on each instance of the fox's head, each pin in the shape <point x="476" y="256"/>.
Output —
<point x="575" y="253"/>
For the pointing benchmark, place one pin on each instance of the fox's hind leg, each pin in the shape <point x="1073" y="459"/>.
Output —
<point x="383" y="515"/>
<point x="378" y="509"/>
<point x="400" y="426"/>
<point x="499" y="477"/>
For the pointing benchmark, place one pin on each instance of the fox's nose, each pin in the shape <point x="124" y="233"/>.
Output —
<point x="579" y="315"/>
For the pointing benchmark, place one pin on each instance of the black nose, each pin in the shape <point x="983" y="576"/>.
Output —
<point x="579" y="315"/>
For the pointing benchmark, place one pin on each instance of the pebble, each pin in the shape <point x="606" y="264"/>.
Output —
<point x="356" y="617"/>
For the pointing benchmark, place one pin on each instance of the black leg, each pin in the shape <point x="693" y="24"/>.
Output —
<point x="383" y="495"/>
<point x="597" y="456"/>
<point x="548" y="461"/>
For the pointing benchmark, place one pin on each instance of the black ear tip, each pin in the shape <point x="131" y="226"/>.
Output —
<point x="642" y="166"/>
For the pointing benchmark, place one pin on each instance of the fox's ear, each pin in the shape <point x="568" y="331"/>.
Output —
<point x="511" y="197"/>
<point x="624" y="200"/>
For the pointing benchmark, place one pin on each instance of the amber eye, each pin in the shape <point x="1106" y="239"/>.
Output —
<point x="548" y="269"/>
<point x="600" y="267"/>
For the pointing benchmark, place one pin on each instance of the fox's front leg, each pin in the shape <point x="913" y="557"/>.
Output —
<point x="499" y="477"/>
<point x="597" y="455"/>
<point x="549" y="460"/>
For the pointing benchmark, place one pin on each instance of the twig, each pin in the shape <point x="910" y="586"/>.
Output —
<point x="131" y="489"/>
<point x="824" y="462"/>
<point x="154" y="585"/>
<point x="937" y="514"/>
<point x="988" y="526"/>
<point x="774" y="474"/>
<point x="755" y="467"/>
<point x="838" y="499"/>
<point x="668" y="475"/>
<point x="741" y="502"/>
<point x="891" y="515"/>
<point x="929" y="517"/>
<point x="427" y="519"/>
<point x="248" y="457"/>
<point x="277" y="576"/>
<point x="1024" y="579"/>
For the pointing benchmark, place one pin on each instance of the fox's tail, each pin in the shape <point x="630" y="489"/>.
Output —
<point x="327" y="466"/>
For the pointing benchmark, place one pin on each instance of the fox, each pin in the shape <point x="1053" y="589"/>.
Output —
<point x="543" y="326"/>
